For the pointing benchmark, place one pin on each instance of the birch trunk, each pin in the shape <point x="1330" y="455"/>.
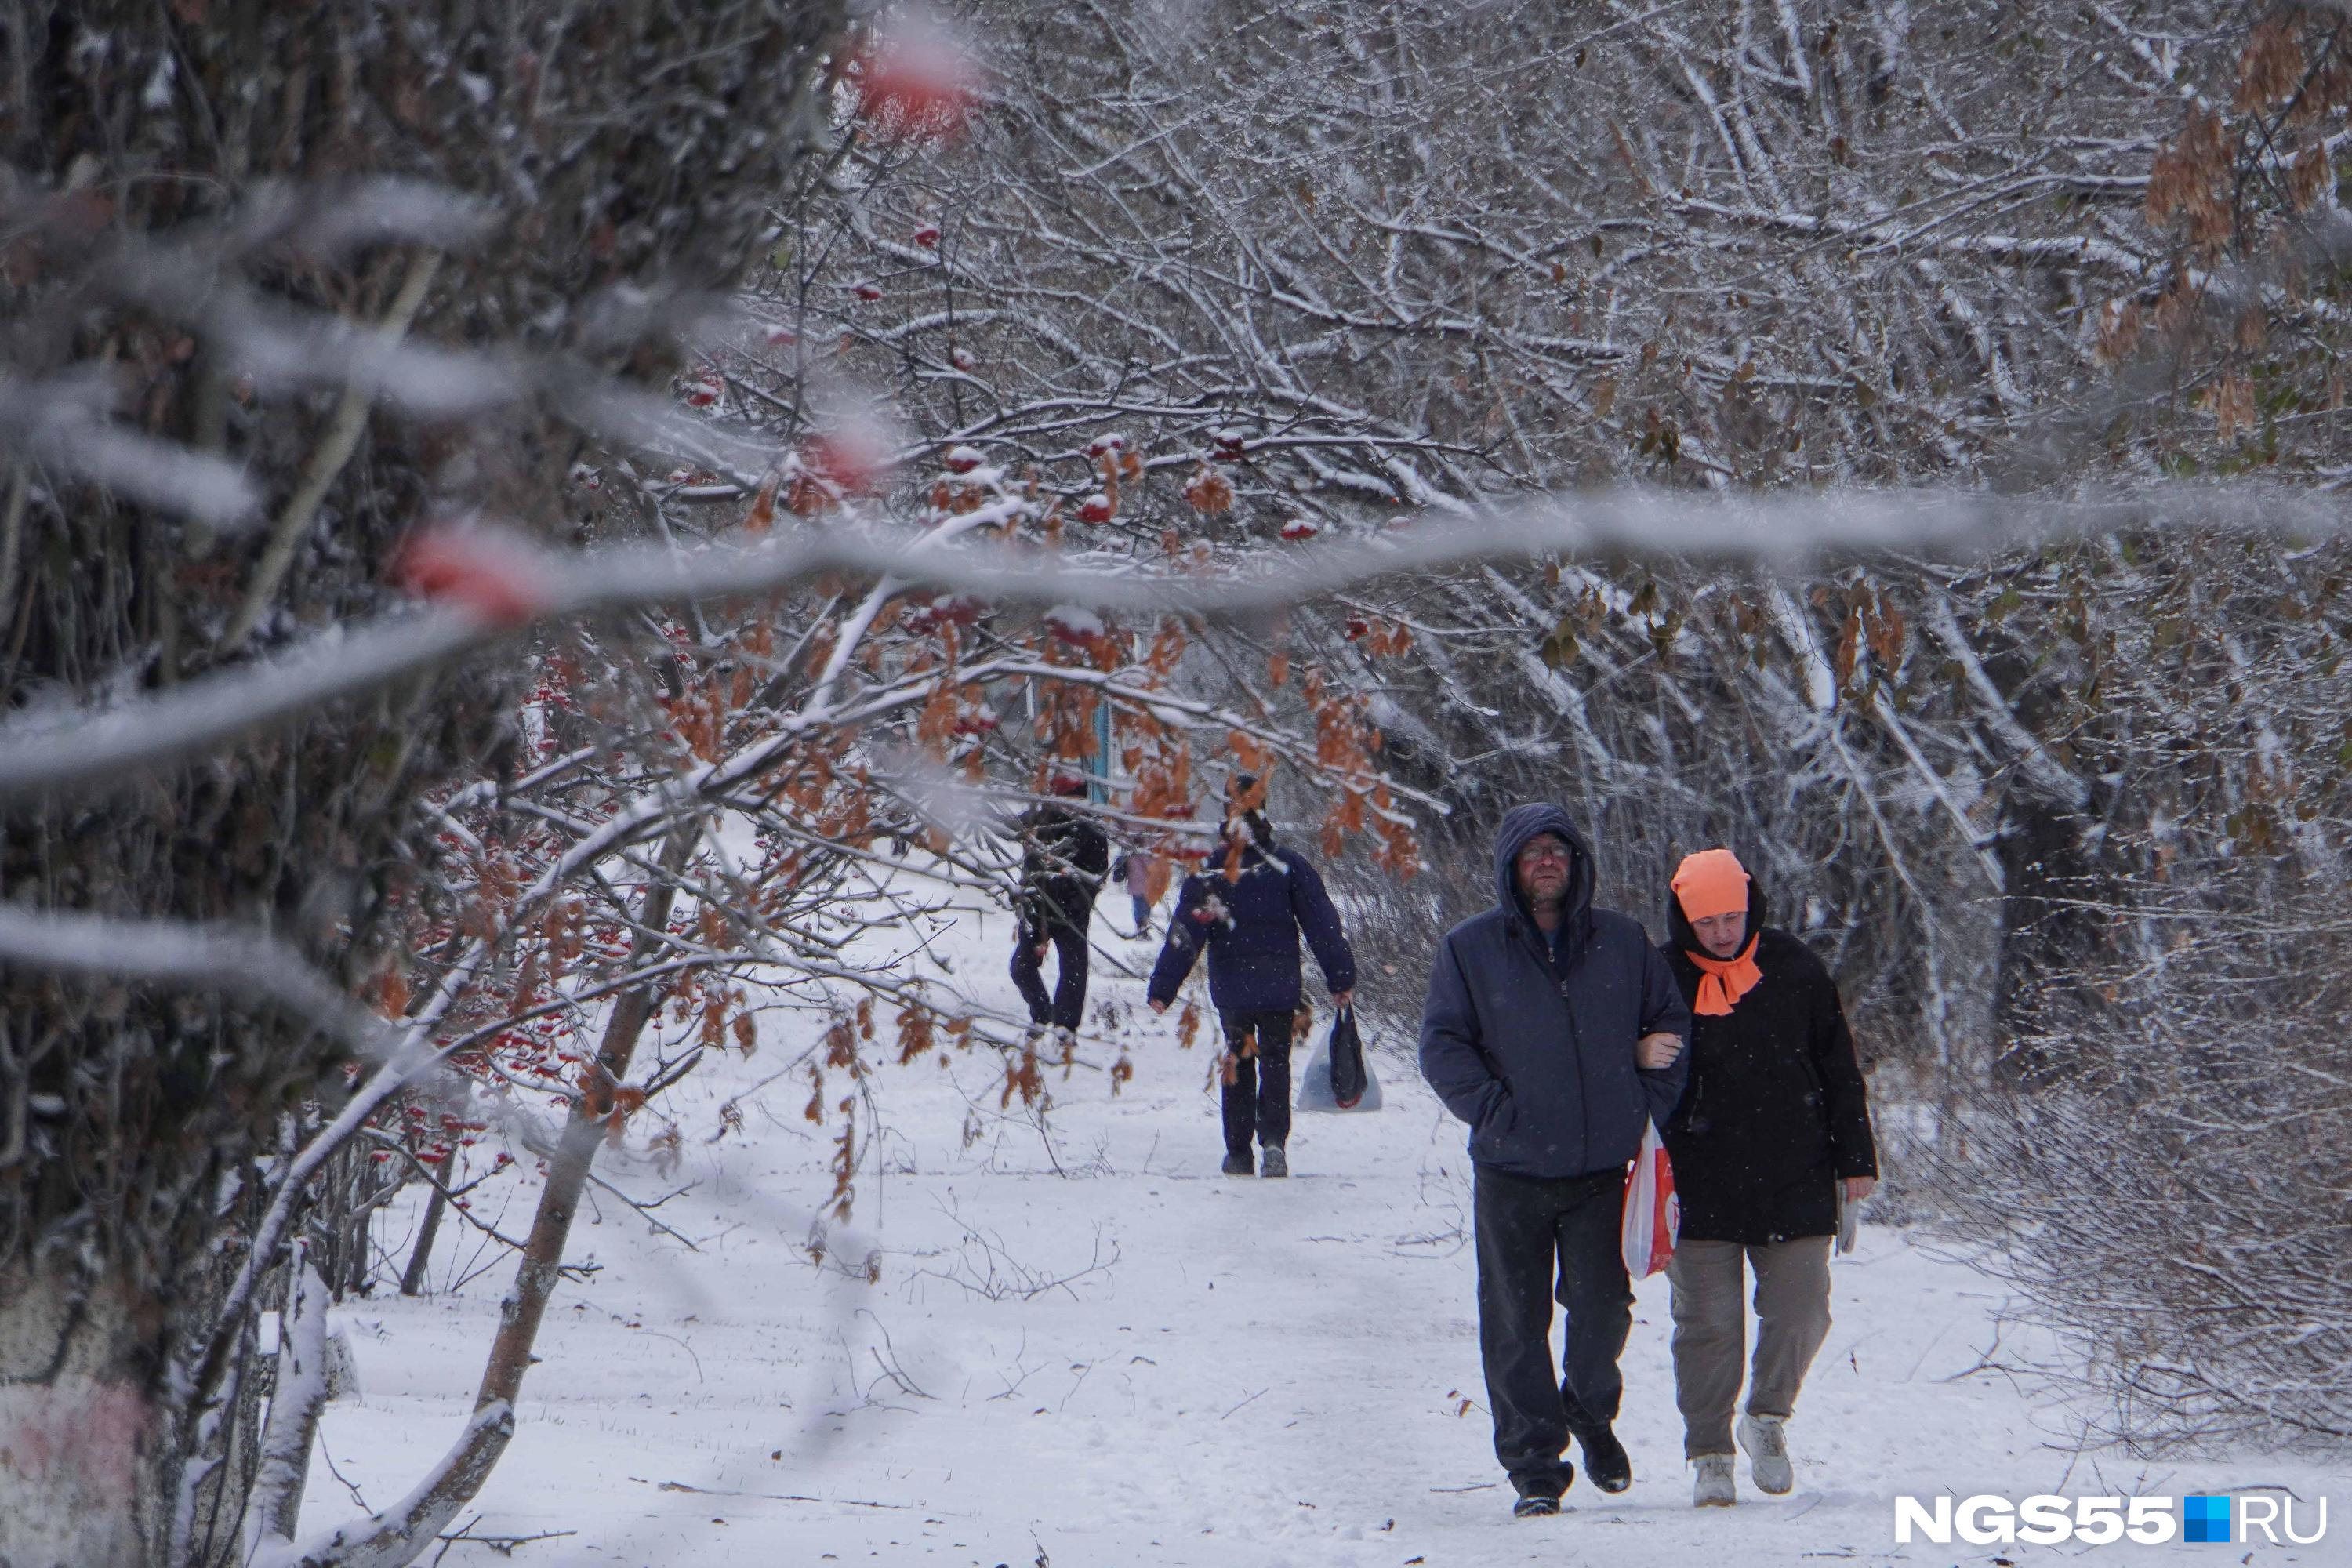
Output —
<point x="78" y="1470"/>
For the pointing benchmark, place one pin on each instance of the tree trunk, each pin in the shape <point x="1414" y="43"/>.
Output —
<point x="567" y="1173"/>
<point x="401" y="1533"/>
<point x="411" y="1281"/>
<point x="2048" y="930"/>
<point x="79" y="1470"/>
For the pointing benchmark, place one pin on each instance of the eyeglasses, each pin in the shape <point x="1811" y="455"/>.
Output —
<point x="1534" y="854"/>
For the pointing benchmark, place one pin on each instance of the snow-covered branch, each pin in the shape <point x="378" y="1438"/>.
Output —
<point x="246" y="965"/>
<point x="295" y="1399"/>
<point x="399" y="1534"/>
<point x="48" y="751"/>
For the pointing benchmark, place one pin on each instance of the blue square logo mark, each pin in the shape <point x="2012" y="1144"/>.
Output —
<point x="2205" y="1518"/>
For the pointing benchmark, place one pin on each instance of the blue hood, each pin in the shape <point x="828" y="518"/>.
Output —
<point x="1520" y="824"/>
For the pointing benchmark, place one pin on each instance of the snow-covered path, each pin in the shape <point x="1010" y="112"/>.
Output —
<point x="1100" y="1351"/>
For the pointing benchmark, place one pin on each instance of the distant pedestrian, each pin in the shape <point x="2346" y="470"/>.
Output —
<point x="1555" y="1030"/>
<point x="1133" y="871"/>
<point x="1772" y="1132"/>
<point x="1063" y="858"/>
<point x="1247" y="908"/>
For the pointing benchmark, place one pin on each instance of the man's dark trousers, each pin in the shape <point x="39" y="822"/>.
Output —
<point x="1258" y="1099"/>
<point x="1068" y="1003"/>
<point x="1533" y="1235"/>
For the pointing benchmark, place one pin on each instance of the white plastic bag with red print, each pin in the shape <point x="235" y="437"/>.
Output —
<point x="1654" y="1215"/>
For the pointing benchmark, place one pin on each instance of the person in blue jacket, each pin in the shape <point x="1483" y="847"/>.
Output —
<point x="1247" y="908"/>
<point x="1556" y="1030"/>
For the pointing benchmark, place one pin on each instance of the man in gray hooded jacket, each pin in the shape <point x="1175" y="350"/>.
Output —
<point x="1556" y="1030"/>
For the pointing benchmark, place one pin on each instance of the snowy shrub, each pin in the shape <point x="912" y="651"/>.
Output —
<point x="2162" y="1170"/>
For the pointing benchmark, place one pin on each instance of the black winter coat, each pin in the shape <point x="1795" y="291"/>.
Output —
<point x="1537" y="1054"/>
<point x="1775" y="1110"/>
<point x="1061" y="870"/>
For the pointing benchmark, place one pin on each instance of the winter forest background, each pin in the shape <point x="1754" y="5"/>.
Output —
<point x="531" y="536"/>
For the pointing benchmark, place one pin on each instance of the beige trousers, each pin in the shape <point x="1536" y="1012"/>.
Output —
<point x="1792" y="1318"/>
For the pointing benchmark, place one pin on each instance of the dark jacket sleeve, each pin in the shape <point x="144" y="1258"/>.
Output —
<point x="1028" y="901"/>
<point x="1845" y="1097"/>
<point x="1311" y="907"/>
<point x="1178" y="954"/>
<point x="1092" y="852"/>
<point x="1663" y="1013"/>
<point x="1450" y="1055"/>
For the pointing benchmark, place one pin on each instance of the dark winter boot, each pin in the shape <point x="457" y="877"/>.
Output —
<point x="1236" y="1164"/>
<point x="1540" y="1498"/>
<point x="1274" y="1161"/>
<point x="1606" y="1464"/>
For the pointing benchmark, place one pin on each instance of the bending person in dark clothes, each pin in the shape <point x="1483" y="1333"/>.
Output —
<point x="1062" y="864"/>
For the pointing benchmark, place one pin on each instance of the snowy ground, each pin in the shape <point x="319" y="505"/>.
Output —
<point x="1088" y="1348"/>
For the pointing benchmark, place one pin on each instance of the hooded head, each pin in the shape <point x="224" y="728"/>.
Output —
<point x="1711" y="882"/>
<point x="1245" y="804"/>
<point x="1522" y="823"/>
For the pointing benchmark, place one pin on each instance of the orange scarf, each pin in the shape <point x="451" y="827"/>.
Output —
<point x="1722" y="982"/>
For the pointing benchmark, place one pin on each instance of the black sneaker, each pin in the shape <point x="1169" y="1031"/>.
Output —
<point x="1236" y="1164"/>
<point x="1274" y="1161"/>
<point x="1535" y="1505"/>
<point x="1605" y="1461"/>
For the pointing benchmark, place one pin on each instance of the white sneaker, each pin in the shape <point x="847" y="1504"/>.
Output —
<point x="1768" y="1454"/>
<point x="1714" y="1488"/>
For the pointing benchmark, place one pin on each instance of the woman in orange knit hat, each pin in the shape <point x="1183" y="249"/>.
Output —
<point x="1772" y="1132"/>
